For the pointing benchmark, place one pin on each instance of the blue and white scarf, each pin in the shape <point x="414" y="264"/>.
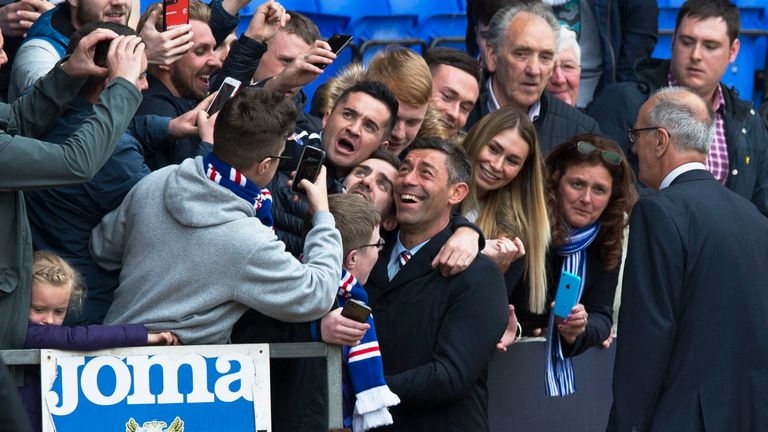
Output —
<point x="365" y="370"/>
<point x="225" y="175"/>
<point x="561" y="380"/>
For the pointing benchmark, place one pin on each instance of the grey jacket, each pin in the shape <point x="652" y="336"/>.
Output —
<point x="194" y="258"/>
<point x="28" y="163"/>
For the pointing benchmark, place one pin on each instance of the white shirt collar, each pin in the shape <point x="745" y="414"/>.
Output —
<point x="690" y="166"/>
<point x="493" y="103"/>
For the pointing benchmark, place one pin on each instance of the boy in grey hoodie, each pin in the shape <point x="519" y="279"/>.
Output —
<point x="195" y="241"/>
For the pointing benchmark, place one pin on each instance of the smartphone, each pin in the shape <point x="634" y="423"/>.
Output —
<point x="337" y="42"/>
<point x="567" y="294"/>
<point x="356" y="311"/>
<point x="227" y="89"/>
<point x="175" y="13"/>
<point x="309" y="166"/>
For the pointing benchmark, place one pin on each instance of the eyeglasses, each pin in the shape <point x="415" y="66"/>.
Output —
<point x="379" y="245"/>
<point x="632" y="133"/>
<point x="611" y="157"/>
<point x="280" y="157"/>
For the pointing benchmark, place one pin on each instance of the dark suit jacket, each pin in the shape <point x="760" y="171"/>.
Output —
<point x="557" y="121"/>
<point x="692" y="349"/>
<point x="436" y="337"/>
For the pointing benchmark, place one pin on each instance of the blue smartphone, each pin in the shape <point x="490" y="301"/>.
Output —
<point x="567" y="294"/>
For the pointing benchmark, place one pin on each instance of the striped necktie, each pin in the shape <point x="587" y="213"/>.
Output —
<point x="404" y="257"/>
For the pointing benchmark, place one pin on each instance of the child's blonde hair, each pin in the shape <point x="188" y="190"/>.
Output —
<point x="49" y="268"/>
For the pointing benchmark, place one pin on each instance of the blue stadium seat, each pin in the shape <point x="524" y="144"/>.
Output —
<point x="424" y="8"/>
<point x="373" y="24"/>
<point x="440" y="23"/>
<point x="303" y="6"/>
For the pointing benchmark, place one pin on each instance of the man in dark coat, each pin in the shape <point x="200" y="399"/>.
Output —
<point x="436" y="334"/>
<point x="693" y="344"/>
<point x="520" y="53"/>
<point x="705" y="42"/>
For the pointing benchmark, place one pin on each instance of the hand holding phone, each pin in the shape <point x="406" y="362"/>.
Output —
<point x="227" y="89"/>
<point x="309" y="166"/>
<point x="337" y="43"/>
<point x="567" y="294"/>
<point x="356" y="311"/>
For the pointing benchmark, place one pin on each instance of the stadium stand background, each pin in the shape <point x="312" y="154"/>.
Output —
<point x="419" y="24"/>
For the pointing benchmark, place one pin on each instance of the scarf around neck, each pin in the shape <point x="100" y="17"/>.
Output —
<point x="560" y="377"/>
<point x="227" y="176"/>
<point x="364" y="370"/>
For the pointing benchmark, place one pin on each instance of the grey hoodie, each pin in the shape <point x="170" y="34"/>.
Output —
<point x="194" y="258"/>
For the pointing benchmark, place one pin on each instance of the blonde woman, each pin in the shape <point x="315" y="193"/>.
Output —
<point x="507" y="201"/>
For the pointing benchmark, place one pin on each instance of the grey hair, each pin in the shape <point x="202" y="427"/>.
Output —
<point x="683" y="121"/>
<point x="497" y="28"/>
<point x="566" y="39"/>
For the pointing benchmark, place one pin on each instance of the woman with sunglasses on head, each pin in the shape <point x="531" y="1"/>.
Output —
<point x="590" y="192"/>
<point x="507" y="202"/>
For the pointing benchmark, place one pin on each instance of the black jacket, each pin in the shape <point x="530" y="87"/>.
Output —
<point x="557" y="121"/>
<point x="436" y="336"/>
<point x="616" y="109"/>
<point x="597" y="298"/>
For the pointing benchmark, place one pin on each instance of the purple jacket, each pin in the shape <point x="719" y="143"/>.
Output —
<point x="83" y="338"/>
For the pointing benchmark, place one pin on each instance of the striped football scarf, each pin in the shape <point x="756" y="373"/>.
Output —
<point x="560" y="378"/>
<point x="365" y="371"/>
<point x="225" y="175"/>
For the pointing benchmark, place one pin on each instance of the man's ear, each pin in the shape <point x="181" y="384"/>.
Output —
<point x="350" y="260"/>
<point x="390" y="222"/>
<point x="325" y="118"/>
<point x="490" y="57"/>
<point x="733" y="51"/>
<point x="163" y="67"/>
<point x="458" y="192"/>
<point x="662" y="142"/>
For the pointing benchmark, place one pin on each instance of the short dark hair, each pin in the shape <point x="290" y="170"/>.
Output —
<point x="252" y="126"/>
<point x="450" y="57"/>
<point x="386" y="156"/>
<point x="457" y="162"/>
<point x="378" y="91"/>
<point x="303" y="27"/>
<point x="703" y="9"/>
<point x="355" y="219"/>
<point x="102" y="48"/>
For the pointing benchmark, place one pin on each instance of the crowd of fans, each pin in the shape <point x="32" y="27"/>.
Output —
<point x="455" y="194"/>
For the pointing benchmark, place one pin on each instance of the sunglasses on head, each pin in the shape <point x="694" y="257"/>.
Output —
<point x="608" y="156"/>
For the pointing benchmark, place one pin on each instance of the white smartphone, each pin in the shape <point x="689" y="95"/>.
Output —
<point x="227" y="89"/>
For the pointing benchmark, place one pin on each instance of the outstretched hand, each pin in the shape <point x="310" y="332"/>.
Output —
<point x="165" y="47"/>
<point x="303" y="69"/>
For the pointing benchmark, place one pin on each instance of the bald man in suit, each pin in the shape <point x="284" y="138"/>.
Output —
<point x="693" y="346"/>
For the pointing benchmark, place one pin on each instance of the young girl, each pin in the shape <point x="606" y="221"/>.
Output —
<point x="56" y="289"/>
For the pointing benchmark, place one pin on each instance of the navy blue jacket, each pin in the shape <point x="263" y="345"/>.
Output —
<point x="557" y="121"/>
